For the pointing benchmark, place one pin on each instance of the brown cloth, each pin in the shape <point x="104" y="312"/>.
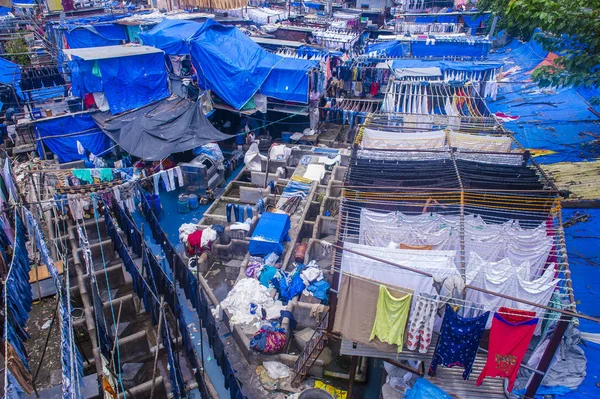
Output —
<point x="18" y="370"/>
<point x="417" y="247"/>
<point x="357" y="308"/>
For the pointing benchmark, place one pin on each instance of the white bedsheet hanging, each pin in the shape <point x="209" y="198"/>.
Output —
<point x="398" y="140"/>
<point x="438" y="263"/>
<point x="509" y="279"/>
<point x="479" y="143"/>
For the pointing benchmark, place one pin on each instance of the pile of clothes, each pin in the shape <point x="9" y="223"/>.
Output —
<point x="196" y="241"/>
<point x="307" y="279"/>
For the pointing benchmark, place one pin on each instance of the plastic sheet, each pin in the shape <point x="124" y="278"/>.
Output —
<point x="230" y="63"/>
<point x="60" y="135"/>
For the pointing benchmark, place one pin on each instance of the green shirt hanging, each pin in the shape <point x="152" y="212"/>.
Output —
<point x="391" y="317"/>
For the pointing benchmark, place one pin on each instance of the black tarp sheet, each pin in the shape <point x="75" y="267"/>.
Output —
<point x="159" y="129"/>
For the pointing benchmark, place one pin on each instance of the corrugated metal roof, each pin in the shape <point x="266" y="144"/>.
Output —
<point x="448" y="379"/>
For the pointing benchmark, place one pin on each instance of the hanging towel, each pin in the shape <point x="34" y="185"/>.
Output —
<point x="155" y="179"/>
<point x="171" y="175"/>
<point x="179" y="176"/>
<point x="80" y="149"/>
<point x="106" y="174"/>
<point x="390" y="319"/>
<point x="459" y="341"/>
<point x="165" y="178"/>
<point x="510" y="335"/>
<point x="84" y="175"/>
<point x="117" y="194"/>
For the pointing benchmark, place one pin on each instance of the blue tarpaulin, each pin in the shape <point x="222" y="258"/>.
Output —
<point x="447" y="65"/>
<point x="270" y="233"/>
<point x="4" y="10"/>
<point x="128" y="82"/>
<point x="474" y="21"/>
<point x="98" y="35"/>
<point x="82" y="79"/>
<point x="132" y="82"/>
<point x="10" y="74"/>
<point x="451" y="48"/>
<point x="391" y="48"/>
<point x="469" y="66"/>
<point x="288" y="81"/>
<point x="171" y="36"/>
<point x="311" y="52"/>
<point x="60" y="135"/>
<point x="230" y="63"/>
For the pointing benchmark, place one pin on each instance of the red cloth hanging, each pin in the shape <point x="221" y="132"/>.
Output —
<point x="510" y="336"/>
<point x="88" y="101"/>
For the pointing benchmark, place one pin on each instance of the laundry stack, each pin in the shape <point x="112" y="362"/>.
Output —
<point x="450" y="232"/>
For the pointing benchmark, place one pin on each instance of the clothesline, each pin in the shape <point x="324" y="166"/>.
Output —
<point x="545" y="307"/>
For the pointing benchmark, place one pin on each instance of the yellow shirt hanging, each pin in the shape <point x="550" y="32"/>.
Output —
<point x="391" y="317"/>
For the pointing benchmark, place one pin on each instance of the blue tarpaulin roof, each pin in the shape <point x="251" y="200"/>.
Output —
<point x="391" y="48"/>
<point x="130" y="81"/>
<point x="447" y="65"/>
<point x="171" y="36"/>
<point x="474" y="21"/>
<point x="288" y="81"/>
<point x="269" y="234"/>
<point x="97" y="35"/>
<point x="10" y="74"/>
<point x="229" y="63"/>
<point x="451" y="48"/>
<point x="60" y="135"/>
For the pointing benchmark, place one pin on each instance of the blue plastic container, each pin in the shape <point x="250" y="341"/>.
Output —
<point x="154" y="202"/>
<point x="286" y="137"/>
<point x="183" y="203"/>
<point x="193" y="200"/>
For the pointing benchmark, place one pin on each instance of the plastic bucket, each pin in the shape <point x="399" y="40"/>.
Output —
<point x="193" y="200"/>
<point x="183" y="204"/>
<point x="154" y="202"/>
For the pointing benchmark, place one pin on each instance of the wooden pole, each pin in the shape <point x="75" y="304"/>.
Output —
<point x="353" y="366"/>
<point x="160" y="319"/>
<point x="557" y="335"/>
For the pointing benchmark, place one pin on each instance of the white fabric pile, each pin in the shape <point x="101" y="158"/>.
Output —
<point x="279" y="153"/>
<point x="185" y="230"/>
<point x="247" y="294"/>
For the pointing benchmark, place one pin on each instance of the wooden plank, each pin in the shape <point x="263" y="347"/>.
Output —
<point x="43" y="272"/>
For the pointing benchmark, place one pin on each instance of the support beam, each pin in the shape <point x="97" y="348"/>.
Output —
<point x="555" y="339"/>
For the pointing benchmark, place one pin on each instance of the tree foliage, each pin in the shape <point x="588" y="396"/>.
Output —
<point x="20" y="49"/>
<point x="569" y="28"/>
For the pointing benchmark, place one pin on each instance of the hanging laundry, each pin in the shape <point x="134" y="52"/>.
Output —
<point x="171" y="175"/>
<point x="156" y="181"/>
<point x="510" y="335"/>
<point x="459" y="341"/>
<point x="106" y="174"/>
<point x="84" y="175"/>
<point x="502" y="117"/>
<point x="179" y="176"/>
<point x="391" y="316"/>
<point x="421" y="323"/>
